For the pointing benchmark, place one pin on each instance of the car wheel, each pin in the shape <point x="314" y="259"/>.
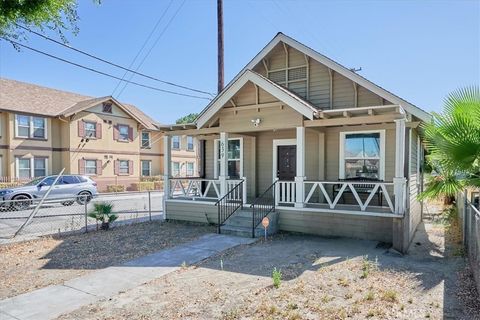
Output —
<point x="84" y="197"/>
<point x="21" y="202"/>
<point x="68" y="203"/>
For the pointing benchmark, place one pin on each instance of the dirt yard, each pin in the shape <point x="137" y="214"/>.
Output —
<point x="321" y="279"/>
<point x="38" y="263"/>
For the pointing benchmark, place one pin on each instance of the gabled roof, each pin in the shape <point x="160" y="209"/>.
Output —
<point x="276" y="90"/>
<point x="17" y="96"/>
<point x="333" y="65"/>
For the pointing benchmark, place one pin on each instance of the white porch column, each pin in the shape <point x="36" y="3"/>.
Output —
<point x="167" y="165"/>
<point x="399" y="181"/>
<point x="223" y="176"/>
<point x="300" y="177"/>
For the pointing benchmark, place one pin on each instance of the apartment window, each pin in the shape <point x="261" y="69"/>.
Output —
<point x="31" y="167"/>
<point x="123" y="167"/>
<point x="190" y="166"/>
<point x="145" y="139"/>
<point x="234" y="155"/>
<point x="91" y="167"/>
<point x="175" y="169"/>
<point x="146" y="168"/>
<point x="362" y="155"/>
<point x="123" y="132"/>
<point x="189" y="143"/>
<point x="176" y="142"/>
<point x="107" y="108"/>
<point x="90" y="129"/>
<point x="30" y="127"/>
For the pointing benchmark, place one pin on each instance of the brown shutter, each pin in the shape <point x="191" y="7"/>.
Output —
<point x="81" y="166"/>
<point x="130" y="167"/>
<point x="99" y="167"/>
<point x="116" y="167"/>
<point x="130" y="133"/>
<point x="115" y="132"/>
<point x="81" y="128"/>
<point x="98" y="131"/>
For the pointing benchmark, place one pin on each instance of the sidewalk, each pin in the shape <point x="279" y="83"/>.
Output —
<point x="52" y="301"/>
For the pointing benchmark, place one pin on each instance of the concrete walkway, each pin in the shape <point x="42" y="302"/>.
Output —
<point x="50" y="302"/>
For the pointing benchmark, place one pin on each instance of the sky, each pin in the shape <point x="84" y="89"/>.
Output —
<point x="419" y="50"/>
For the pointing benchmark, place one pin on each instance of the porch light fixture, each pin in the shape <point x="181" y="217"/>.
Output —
<point x="256" y="122"/>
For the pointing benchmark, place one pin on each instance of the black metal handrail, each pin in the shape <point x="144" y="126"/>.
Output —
<point x="262" y="206"/>
<point x="229" y="203"/>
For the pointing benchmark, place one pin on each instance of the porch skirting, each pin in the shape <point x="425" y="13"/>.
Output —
<point x="303" y="220"/>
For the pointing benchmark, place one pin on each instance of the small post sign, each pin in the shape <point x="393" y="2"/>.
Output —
<point x="265" y="223"/>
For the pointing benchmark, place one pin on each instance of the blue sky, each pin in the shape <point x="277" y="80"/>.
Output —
<point x="420" y="50"/>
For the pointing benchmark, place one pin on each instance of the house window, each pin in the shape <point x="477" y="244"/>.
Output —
<point x="90" y="167"/>
<point x="90" y="129"/>
<point x="189" y="143"/>
<point x="235" y="158"/>
<point x="362" y="155"/>
<point x="31" y="167"/>
<point x="190" y="166"/>
<point x="176" y="142"/>
<point x="107" y="108"/>
<point x="175" y="169"/>
<point x="30" y="127"/>
<point x="123" y="132"/>
<point x="145" y="139"/>
<point x="146" y="168"/>
<point x="123" y="167"/>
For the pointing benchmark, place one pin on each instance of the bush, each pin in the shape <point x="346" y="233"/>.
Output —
<point x="277" y="277"/>
<point x="116" y="188"/>
<point x="6" y="185"/>
<point x="151" y="178"/>
<point x="144" y="186"/>
<point x="102" y="212"/>
<point x="158" y="185"/>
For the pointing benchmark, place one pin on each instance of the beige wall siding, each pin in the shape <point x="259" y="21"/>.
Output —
<point x="319" y="85"/>
<point x="188" y="211"/>
<point x="367" y="98"/>
<point x="343" y="93"/>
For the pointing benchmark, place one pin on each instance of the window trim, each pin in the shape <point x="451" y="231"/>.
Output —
<point x="173" y="173"/>
<point x="149" y="146"/>
<point x="179" y="143"/>
<point x="119" y="125"/>
<point x="216" y="170"/>
<point x="193" y="169"/>
<point x="107" y="104"/>
<point x="193" y="144"/>
<point x="85" y="167"/>
<point x="32" y="165"/>
<point x="120" y="173"/>
<point x="85" y="129"/>
<point x="31" y="127"/>
<point x="149" y="167"/>
<point x="341" y="164"/>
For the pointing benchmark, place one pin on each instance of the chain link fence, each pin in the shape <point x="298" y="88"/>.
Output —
<point x="71" y="214"/>
<point x="469" y="214"/>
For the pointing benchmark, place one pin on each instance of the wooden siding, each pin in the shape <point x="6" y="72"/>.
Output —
<point x="343" y="93"/>
<point x="191" y="211"/>
<point x="319" y="85"/>
<point x="414" y="180"/>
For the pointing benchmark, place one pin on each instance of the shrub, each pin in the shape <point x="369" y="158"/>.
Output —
<point x="277" y="277"/>
<point x="143" y="186"/>
<point x="158" y="185"/>
<point x="6" y="185"/>
<point x="102" y="211"/>
<point x="390" y="295"/>
<point x="116" y="188"/>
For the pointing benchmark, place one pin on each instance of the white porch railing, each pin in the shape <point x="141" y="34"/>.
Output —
<point x="198" y="188"/>
<point x="329" y="193"/>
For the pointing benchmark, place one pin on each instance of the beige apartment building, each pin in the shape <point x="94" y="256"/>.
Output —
<point x="44" y="130"/>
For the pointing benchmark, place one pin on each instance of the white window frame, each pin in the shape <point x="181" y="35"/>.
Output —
<point x="120" y="132"/>
<point x="341" y="166"/>
<point x="193" y="144"/>
<point x="188" y="174"/>
<point x="149" y="167"/>
<point x="179" y="142"/>
<point x="173" y="169"/>
<point x="120" y="167"/>
<point x="216" y="159"/>
<point x="31" y="127"/>
<point x="96" y="169"/>
<point x="94" y="129"/>
<point x="149" y="140"/>
<point x="32" y="166"/>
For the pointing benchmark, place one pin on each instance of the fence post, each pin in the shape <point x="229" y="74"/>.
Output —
<point x="86" y="215"/>
<point x="149" y="205"/>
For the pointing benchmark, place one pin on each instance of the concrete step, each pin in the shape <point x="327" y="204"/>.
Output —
<point x="245" y="212"/>
<point x="239" y="221"/>
<point x="240" y="231"/>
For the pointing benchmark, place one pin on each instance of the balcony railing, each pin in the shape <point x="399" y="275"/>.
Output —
<point x="208" y="189"/>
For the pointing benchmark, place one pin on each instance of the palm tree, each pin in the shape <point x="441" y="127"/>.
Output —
<point x="453" y="142"/>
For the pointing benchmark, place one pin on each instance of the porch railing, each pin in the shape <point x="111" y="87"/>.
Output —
<point x="229" y="203"/>
<point x="285" y="192"/>
<point x="262" y="206"/>
<point x="199" y="188"/>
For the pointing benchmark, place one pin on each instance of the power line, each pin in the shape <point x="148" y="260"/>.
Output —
<point x="144" y="44"/>
<point x="110" y="63"/>
<point x="104" y="73"/>
<point x="153" y="46"/>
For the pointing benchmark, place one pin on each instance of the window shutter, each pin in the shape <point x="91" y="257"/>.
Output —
<point x="115" y="132"/>
<point x="130" y="133"/>
<point x="116" y="167"/>
<point x="81" y="128"/>
<point x="81" y="166"/>
<point x="130" y="167"/>
<point x="98" y="131"/>
<point x="99" y="167"/>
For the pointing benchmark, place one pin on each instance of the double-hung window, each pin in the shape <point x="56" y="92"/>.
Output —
<point x="123" y="167"/>
<point x="190" y="166"/>
<point x="90" y="129"/>
<point x="189" y="143"/>
<point x="362" y="155"/>
<point x="30" y="127"/>
<point x="123" y="132"/>
<point x="175" y="169"/>
<point x="235" y="158"/>
<point x="146" y="168"/>
<point x="176" y="142"/>
<point x="27" y="168"/>
<point x="145" y="139"/>
<point x="91" y="167"/>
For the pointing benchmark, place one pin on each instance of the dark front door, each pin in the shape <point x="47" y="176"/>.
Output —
<point x="286" y="162"/>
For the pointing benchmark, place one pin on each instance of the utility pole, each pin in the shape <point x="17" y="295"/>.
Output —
<point x="220" y="44"/>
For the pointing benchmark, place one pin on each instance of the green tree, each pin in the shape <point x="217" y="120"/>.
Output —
<point x="453" y="143"/>
<point x="189" y="118"/>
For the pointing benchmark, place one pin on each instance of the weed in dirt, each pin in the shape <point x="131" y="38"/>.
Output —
<point x="390" y="296"/>
<point x="367" y="266"/>
<point x="410" y="300"/>
<point x="294" y="316"/>
<point x="428" y="316"/>
<point x="292" y="306"/>
<point x="276" y="277"/>
<point x="370" y="296"/>
<point x="343" y="282"/>
<point x="326" y="298"/>
<point x="184" y="265"/>
<point x="231" y="315"/>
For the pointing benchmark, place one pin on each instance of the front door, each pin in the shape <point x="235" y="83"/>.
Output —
<point x="286" y="163"/>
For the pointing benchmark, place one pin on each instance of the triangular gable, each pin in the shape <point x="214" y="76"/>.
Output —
<point x="279" y="92"/>
<point x="280" y="37"/>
